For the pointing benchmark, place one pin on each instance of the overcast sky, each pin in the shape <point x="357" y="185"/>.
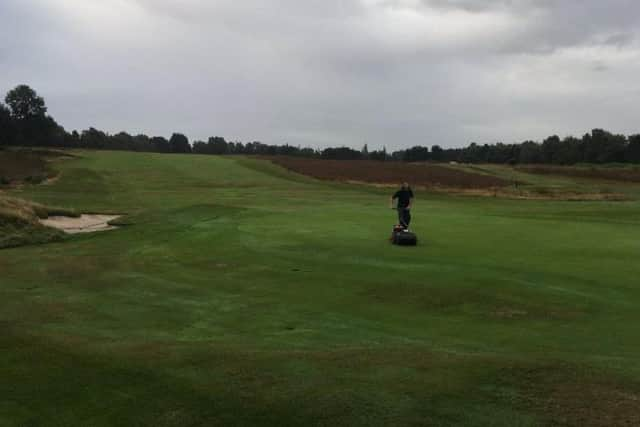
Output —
<point x="330" y="72"/>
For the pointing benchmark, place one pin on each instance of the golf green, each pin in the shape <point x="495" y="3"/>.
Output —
<point x="237" y="293"/>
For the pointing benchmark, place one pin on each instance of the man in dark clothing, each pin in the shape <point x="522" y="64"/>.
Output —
<point x="405" y="198"/>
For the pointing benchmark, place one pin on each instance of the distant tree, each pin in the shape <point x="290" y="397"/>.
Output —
<point x="25" y="103"/>
<point x="121" y="141"/>
<point x="199" y="147"/>
<point x="603" y="147"/>
<point x="615" y="148"/>
<point x="632" y="154"/>
<point x="7" y="128"/>
<point x="160" y="144"/>
<point x="341" y="153"/>
<point x="549" y="148"/>
<point x="217" y="145"/>
<point x="500" y="153"/>
<point x="50" y="133"/>
<point x="94" y="139"/>
<point x="530" y="152"/>
<point x="470" y="154"/>
<point x="437" y="153"/>
<point x="308" y="152"/>
<point x="249" y="148"/>
<point x="414" y="154"/>
<point x="561" y="152"/>
<point x="72" y="140"/>
<point x="232" y="147"/>
<point x="179" y="143"/>
<point x="29" y="123"/>
<point x="142" y="142"/>
<point x="286" y="150"/>
<point x="379" y="155"/>
<point x="571" y="150"/>
<point x="24" y="121"/>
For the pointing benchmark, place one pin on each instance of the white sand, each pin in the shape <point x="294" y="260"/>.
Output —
<point x="84" y="224"/>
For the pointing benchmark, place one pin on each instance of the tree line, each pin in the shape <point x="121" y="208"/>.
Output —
<point x="24" y="122"/>
<point x="598" y="146"/>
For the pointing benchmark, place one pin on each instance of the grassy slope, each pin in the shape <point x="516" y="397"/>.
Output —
<point x="19" y="218"/>
<point x="561" y="184"/>
<point x="243" y="294"/>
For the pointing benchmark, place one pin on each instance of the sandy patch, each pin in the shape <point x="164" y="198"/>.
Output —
<point x="83" y="224"/>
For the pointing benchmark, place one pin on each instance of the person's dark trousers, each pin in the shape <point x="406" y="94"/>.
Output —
<point x="404" y="216"/>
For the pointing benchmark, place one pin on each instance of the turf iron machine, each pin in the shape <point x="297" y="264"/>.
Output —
<point x="401" y="236"/>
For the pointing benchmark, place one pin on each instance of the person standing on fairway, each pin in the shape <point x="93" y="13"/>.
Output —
<point x="405" y="198"/>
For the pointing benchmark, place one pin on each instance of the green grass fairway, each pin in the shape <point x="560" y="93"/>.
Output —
<point x="240" y="294"/>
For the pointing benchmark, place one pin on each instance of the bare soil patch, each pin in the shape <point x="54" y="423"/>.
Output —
<point x="82" y="224"/>
<point x="418" y="174"/>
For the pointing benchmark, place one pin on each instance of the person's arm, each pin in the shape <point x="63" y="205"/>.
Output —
<point x="395" y="196"/>
<point x="410" y="199"/>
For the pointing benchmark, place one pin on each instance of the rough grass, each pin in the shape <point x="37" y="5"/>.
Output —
<point x="419" y="174"/>
<point x="595" y="183"/>
<point x="28" y="165"/>
<point x="243" y="294"/>
<point x="561" y="182"/>
<point x="20" y="166"/>
<point x="625" y="173"/>
<point x="19" y="222"/>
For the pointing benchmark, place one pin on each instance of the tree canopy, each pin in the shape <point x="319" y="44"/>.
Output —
<point x="25" y="103"/>
<point x="24" y="121"/>
<point x="179" y="143"/>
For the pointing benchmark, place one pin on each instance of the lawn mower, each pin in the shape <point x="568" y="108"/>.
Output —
<point x="403" y="237"/>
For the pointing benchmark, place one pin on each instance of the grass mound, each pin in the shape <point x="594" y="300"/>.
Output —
<point x="27" y="165"/>
<point x="19" y="223"/>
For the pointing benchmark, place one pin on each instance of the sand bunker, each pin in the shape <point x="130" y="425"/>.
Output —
<point x="83" y="224"/>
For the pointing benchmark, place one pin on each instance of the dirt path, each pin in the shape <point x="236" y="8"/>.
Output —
<point x="83" y="224"/>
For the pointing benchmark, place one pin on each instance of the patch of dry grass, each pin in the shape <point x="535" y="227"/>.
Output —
<point x="19" y="222"/>
<point x="418" y="174"/>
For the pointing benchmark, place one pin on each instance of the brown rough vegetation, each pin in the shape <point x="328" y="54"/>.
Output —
<point x="16" y="166"/>
<point x="25" y="165"/>
<point x="624" y="174"/>
<point x="417" y="174"/>
<point x="20" y="222"/>
<point x="19" y="210"/>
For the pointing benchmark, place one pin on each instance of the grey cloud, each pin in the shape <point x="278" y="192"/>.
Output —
<point x="394" y="72"/>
